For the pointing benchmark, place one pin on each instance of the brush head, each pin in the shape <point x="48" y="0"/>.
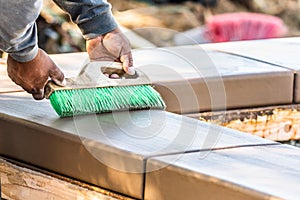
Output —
<point x="93" y="92"/>
<point x="105" y="99"/>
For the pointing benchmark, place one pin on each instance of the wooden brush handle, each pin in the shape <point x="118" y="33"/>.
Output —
<point x="117" y="68"/>
<point x="91" y="76"/>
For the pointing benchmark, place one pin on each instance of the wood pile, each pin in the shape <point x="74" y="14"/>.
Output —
<point x="22" y="183"/>
<point x="274" y="123"/>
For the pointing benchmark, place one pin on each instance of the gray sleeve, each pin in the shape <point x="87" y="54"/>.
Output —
<point x="18" y="31"/>
<point x="93" y="17"/>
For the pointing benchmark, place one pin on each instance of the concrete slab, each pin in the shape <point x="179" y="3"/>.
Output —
<point x="210" y="80"/>
<point x="282" y="52"/>
<point x="268" y="172"/>
<point x="107" y="150"/>
<point x="70" y="63"/>
<point x="110" y="150"/>
<point x="6" y="85"/>
<point x="215" y="80"/>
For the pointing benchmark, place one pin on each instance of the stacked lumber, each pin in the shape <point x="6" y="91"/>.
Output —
<point x="22" y="183"/>
<point x="277" y="124"/>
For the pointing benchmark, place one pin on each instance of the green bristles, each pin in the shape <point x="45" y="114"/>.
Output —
<point x="106" y="99"/>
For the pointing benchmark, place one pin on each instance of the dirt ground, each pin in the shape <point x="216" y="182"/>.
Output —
<point x="158" y="23"/>
<point x="187" y="15"/>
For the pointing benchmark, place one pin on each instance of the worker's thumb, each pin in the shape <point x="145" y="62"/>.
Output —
<point x="57" y="76"/>
<point x="127" y="63"/>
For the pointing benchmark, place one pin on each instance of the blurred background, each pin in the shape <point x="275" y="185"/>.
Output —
<point x="164" y="23"/>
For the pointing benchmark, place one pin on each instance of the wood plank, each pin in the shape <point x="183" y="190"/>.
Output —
<point x="268" y="172"/>
<point x="107" y="150"/>
<point x="278" y="123"/>
<point x="22" y="183"/>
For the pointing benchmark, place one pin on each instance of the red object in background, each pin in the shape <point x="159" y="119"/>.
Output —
<point x="244" y="26"/>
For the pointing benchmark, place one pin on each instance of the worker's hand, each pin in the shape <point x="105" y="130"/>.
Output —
<point x="33" y="75"/>
<point x="113" y="46"/>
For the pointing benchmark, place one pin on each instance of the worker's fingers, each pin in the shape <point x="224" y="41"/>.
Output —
<point x="37" y="94"/>
<point x="127" y="63"/>
<point x="57" y="76"/>
<point x="114" y="76"/>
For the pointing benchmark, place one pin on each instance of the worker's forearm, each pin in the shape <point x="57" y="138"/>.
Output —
<point x="93" y="17"/>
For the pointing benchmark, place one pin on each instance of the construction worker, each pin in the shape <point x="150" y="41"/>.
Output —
<point x="30" y="67"/>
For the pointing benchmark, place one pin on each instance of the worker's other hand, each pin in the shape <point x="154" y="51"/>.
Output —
<point x="33" y="75"/>
<point x="113" y="46"/>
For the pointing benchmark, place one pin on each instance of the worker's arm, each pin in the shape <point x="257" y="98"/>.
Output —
<point x="33" y="75"/>
<point x="29" y="66"/>
<point x="104" y="40"/>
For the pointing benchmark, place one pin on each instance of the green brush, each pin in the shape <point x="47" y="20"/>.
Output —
<point x="93" y="92"/>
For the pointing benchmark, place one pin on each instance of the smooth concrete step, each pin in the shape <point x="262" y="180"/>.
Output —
<point x="108" y="150"/>
<point x="265" y="172"/>
<point x="282" y="52"/>
<point x="211" y="80"/>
